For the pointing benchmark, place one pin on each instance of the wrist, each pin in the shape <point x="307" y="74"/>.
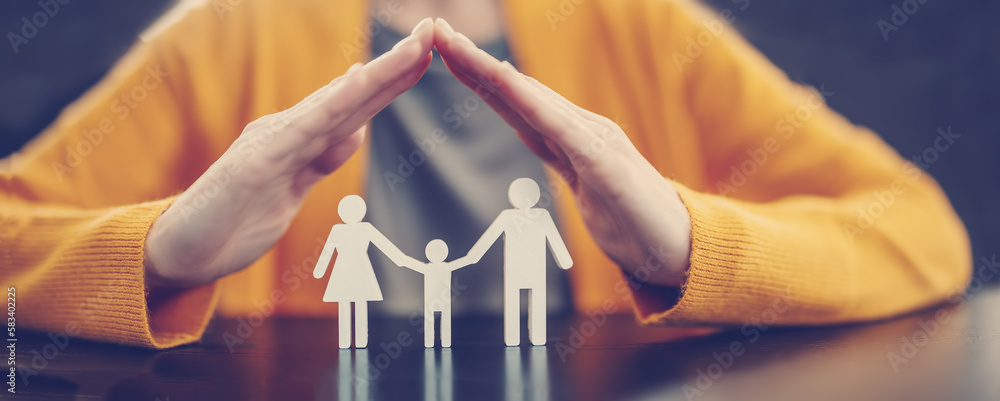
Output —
<point x="159" y="268"/>
<point x="661" y="227"/>
<point x="151" y="274"/>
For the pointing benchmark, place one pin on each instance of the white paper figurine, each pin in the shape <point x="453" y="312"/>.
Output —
<point x="353" y="278"/>
<point x="437" y="288"/>
<point x="526" y="230"/>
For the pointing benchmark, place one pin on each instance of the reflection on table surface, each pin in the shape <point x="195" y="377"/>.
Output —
<point x="949" y="352"/>
<point x="525" y="376"/>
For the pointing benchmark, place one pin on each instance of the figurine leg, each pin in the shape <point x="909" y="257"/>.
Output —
<point x="344" y="324"/>
<point x="361" y="324"/>
<point x="536" y="315"/>
<point x="446" y="326"/>
<point x="428" y="328"/>
<point x="511" y="316"/>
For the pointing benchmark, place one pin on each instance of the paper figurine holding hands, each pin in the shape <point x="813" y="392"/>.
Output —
<point x="353" y="278"/>
<point x="526" y="230"/>
<point x="437" y="288"/>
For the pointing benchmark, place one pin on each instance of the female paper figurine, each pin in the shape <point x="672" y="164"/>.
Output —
<point x="353" y="278"/>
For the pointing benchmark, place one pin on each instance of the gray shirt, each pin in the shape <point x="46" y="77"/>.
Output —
<point x="440" y="165"/>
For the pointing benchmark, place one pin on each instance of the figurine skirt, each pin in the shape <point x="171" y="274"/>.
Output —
<point x="352" y="280"/>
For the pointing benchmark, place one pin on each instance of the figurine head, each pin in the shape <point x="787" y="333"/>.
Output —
<point x="523" y="193"/>
<point x="436" y="251"/>
<point x="352" y="209"/>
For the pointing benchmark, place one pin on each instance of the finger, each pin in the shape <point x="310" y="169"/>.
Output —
<point x="549" y="117"/>
<point x="319" y="93"/>
<point x="589" y="115"/>
<point x="485" y="89"/>
<point x="339" y="101"/>
<point x="370" y="108"/>
<point x="528" y="134"/>
<point x="382" y="70"/>
<point x="543" y="147"/>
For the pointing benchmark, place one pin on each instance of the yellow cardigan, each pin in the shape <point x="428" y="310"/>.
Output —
<point x="798" y="216"/>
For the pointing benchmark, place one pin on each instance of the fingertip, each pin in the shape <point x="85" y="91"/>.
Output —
<point x="425" y="28"/>
<point x="420" y="25"/>
<point x="442" y="35"/>
<point x="445" y="27"/>
<point x="411" y="48"/>
<point x="422" y="34"/>
<point x="424" y="31"/>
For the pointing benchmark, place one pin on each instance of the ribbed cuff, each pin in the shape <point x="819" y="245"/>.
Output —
<point x="91" y="281"/>
<point x="752" y="263"/>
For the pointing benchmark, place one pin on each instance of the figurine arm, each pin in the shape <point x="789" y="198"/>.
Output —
<point x="559" y="251"/>
<point x="325" y="255"/>
<point x="387" y="247"/>
<point x="413" y="264"/>
<point x="489" y="237"/>
<point x="459" y="263"/>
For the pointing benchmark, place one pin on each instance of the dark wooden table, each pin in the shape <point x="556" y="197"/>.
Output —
<point x="950" y="352"/>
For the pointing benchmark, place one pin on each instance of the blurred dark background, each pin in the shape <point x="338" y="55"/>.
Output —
<point x="938" y="69"/>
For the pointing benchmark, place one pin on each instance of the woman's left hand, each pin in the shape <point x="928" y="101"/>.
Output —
<point x="633" y="213"/>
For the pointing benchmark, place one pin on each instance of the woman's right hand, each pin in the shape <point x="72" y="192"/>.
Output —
<point x="242" y="205"/>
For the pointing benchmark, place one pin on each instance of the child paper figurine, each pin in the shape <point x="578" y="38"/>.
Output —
<point x="353" y="278"/>
<point x="437" y="288"/>
<point x="526" y="230"/>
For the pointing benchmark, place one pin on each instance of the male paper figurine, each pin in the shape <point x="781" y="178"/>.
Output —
<point x="353" y="278"/>
<point x="437" y="288"/>
<point x="526" y="230"/>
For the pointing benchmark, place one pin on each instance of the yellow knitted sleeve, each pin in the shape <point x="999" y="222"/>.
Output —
<point x="78" y="201"/>
<point x="79" y="272"/>
<point x="803" y="218"/>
